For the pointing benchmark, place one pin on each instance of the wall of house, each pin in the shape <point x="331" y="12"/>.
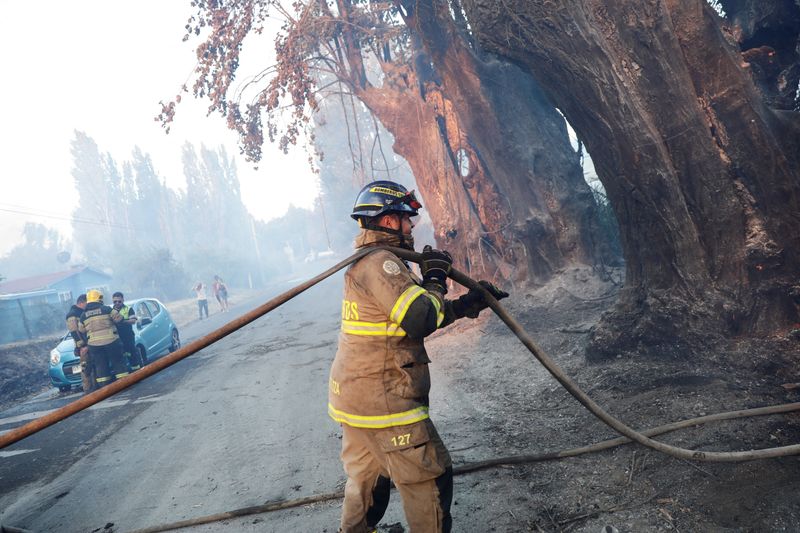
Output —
<point x="34" y="315"/>
<point x="70" y="288"/>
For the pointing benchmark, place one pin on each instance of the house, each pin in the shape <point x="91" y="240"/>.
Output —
<point x="35" y="306"/>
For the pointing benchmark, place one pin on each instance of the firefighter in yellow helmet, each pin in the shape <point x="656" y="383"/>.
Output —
<point x="97" y="322"/>
<point x="379" y="380"/>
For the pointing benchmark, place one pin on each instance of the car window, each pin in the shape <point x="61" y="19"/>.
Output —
<point x="142" y="311"/>
<point x="153" y="307"/>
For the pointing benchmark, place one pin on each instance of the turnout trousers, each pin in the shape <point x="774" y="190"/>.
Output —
<point x="87" y="370"/>
<point x="414" y="458"/>
<point x="109" y="364"/>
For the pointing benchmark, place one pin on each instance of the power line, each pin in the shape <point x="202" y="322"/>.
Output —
<point x="23" y="210"/>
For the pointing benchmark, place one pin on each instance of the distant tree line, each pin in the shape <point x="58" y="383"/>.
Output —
<point x="158" y="241"/>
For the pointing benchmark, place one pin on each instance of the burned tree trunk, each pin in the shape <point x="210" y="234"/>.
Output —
<point x="517" y="147"/>
<point x="504" y="187"/>
<point x="419" y="118"/>
<point x="703" y="176"/>
<point x="510" y="205"/>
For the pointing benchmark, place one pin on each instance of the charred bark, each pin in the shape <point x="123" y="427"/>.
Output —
<point x="503" y="185"/>
<point x="518" y="148"/>
<point x="703" y="176"/>
<point x="419" y="118"/>
<point x="768" y="35"/>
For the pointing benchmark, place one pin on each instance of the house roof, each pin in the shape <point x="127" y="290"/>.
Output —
<point x="44" y="281"/>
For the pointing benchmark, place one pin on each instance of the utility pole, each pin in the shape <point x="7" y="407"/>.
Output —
<point x="324" y="221"/>
<point x="258" y="251"/>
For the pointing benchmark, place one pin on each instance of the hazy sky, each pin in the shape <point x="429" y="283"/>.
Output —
<point x="102" y="67"/>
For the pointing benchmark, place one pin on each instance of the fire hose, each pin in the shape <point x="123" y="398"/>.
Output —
<point x="629" y="433"/>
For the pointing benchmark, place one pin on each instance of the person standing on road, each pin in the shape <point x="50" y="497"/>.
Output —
<point x="202" y="298"/>
<point x="105" y="350"/>
<point x="126" y="334"/>
<point x="81" y="350"/>
<point x="220" y="291"/>
<point x="379" y="381"/>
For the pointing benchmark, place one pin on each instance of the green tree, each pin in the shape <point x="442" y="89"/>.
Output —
<point x="155" y="272"/>
<point x="36" y="254"/>
<point x="95" y="181"/>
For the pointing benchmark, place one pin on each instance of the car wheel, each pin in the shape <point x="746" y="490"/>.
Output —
<point x="142" y="354"/>
<point x="176" y="341"/>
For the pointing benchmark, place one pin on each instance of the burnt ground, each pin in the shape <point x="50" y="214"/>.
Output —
<point x="492" y="399"/>
<point x="23" y="369"/>
<point x="631" y="488"/>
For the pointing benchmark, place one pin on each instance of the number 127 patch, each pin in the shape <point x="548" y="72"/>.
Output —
<point x="401" y="440"/>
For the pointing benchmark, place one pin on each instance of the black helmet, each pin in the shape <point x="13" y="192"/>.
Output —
<point x="381" y="197"/>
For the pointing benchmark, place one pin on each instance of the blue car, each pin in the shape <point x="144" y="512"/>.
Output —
<point x="156" y="333"/>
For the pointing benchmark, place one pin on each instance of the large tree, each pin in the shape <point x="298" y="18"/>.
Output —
<point x="702" y="173"/>
<point x="38" y="253"/>
<point x="501" y="181"/>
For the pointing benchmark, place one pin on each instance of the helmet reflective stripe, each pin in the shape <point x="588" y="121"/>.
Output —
<point x="391" y="192"/>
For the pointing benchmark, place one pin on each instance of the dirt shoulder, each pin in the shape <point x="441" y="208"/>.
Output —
<point x="23" y="369"/>
<point x="518" y="409"/>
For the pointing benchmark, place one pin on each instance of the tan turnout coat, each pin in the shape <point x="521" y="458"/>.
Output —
<point x="379" y="377"/>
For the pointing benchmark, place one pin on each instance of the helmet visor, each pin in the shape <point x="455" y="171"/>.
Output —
<point x="409" y="199"/>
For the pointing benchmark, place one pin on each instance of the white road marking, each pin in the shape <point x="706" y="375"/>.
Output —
<point x="107" y="404"/>
<point x="24" y="417"/>
<point x="3" y="454"/>
<point x="148" y="399"/>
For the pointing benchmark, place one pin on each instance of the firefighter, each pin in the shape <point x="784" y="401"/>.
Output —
<point x="105" y="349"/>
<point x="81" y="350"/>
<point x="125" y="330"/>
<point x="379" y="380"/>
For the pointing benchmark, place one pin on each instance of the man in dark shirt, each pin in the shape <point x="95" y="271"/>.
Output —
<point x="126" y="333"/>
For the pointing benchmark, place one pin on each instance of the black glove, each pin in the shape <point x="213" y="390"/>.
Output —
<point x="472" y="303"/>
<point x="435" y="267"/>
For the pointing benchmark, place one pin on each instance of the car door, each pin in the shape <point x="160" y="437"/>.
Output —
<point x="146" y="336"/>
<point x="159" y="327"/>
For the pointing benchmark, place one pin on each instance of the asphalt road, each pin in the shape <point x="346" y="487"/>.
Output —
<point x="239" y="423"/>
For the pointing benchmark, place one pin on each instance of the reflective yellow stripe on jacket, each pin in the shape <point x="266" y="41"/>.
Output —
<point x="381" y="421"/>
<point x="372" y="329"/>
<point x="405" y="300"/>
<point x="99" y="335"/>
<point x="438" y="306"/>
